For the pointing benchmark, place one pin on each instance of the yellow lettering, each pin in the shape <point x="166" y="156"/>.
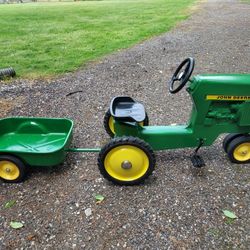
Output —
<point x="229" y="97"/>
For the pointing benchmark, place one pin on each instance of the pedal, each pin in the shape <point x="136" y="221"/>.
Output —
<point x="197" y="161"/>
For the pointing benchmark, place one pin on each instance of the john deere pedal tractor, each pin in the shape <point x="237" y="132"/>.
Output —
<point x="221" y="104"/>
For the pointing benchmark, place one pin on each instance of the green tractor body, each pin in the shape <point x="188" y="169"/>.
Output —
<point x="221" y="104"/>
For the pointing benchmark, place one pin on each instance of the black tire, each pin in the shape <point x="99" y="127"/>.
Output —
<point x="138" y="149"/>
<point x="106" y="121"/>
<point x="228" y="139"/>
<point x="16" y="169"/>
<point x="146" y="120"/>
<point x="109" y="130"/>
<point x="239" y="149"/>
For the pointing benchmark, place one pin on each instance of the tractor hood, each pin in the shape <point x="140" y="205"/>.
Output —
<point x="220" y="87"/>
<point x="225" y="79"/>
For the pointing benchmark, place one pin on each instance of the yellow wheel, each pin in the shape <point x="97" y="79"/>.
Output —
<point x="227" y="140"/>
<point x="108" y="123"/>
<point x="126" y="161"/>
<point x="111" y="125"/>
<point x="239" y="149"/>
<point x="12" y="169"/>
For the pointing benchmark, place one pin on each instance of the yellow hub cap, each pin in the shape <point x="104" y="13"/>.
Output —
<point x="242" y="152"/>
<point x="9" y="170"/>
<point x="112" y="127"/>
<point x="126" y="163"/>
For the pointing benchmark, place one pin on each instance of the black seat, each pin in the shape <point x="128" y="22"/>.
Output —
<point x="124" y="108"/>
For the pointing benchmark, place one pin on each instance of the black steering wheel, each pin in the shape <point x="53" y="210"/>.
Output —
<point x="181" y="75"/>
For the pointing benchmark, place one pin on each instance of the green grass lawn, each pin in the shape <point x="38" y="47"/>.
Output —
<point x="45" y="39"/>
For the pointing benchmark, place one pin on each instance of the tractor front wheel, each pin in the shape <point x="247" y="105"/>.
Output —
<point x="227" y="140"/>
<point x="12" y="169"/>
<point x="239" y="149"/>
<point x="126" y="161"/>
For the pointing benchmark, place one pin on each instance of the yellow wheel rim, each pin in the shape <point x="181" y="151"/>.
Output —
<point x="141" y="123"/>
<point x="112" y="127"/>
<point x="111" y="124"/>
<point x="9" y="170"/>
<point x="126" y="163"/>
<point x="242" y="152"/>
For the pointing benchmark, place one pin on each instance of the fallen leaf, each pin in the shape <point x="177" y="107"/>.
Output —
<point x="31" y="237"/>
<point x="16" y="224"/>
<point x="9" y="204"/>
<point x="229" y="214"/>
<point x="99" y="198"/>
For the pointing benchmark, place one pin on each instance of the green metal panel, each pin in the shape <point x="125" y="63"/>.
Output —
<point x="37" y="141"/>
<point x="244" y="115"/>
<point x="220" y="105"/>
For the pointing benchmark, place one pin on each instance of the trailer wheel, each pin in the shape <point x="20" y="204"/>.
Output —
<point x="126" y="161"/>
<point x="12" y="169"/>
<point x="108" y="123"/>
<point x="239" y="149"/>
<point x="227" y="140"/>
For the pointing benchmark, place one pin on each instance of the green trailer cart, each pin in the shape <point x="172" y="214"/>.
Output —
<point x="26" y="142"/>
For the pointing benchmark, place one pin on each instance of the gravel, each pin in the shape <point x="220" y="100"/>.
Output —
<point x="177" y="207"/>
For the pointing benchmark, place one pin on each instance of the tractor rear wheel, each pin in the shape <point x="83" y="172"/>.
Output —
<point x="126" y="160"/>
<point x="108" y="123"/>
<point x="239" y="149"/>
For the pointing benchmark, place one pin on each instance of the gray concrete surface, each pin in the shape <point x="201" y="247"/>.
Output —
<point x="175" y="208"/>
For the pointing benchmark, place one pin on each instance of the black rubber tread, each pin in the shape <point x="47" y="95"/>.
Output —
<point x="19" y="163"/>
<point x="146" y="120"/>
<point x="228" y="139"/>
<point x="235" y="143"/>
<point x="106" y="123"/>
<point x="127" y="140"/>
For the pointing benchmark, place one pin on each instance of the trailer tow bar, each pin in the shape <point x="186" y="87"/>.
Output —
<point x="82" y="150"/>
